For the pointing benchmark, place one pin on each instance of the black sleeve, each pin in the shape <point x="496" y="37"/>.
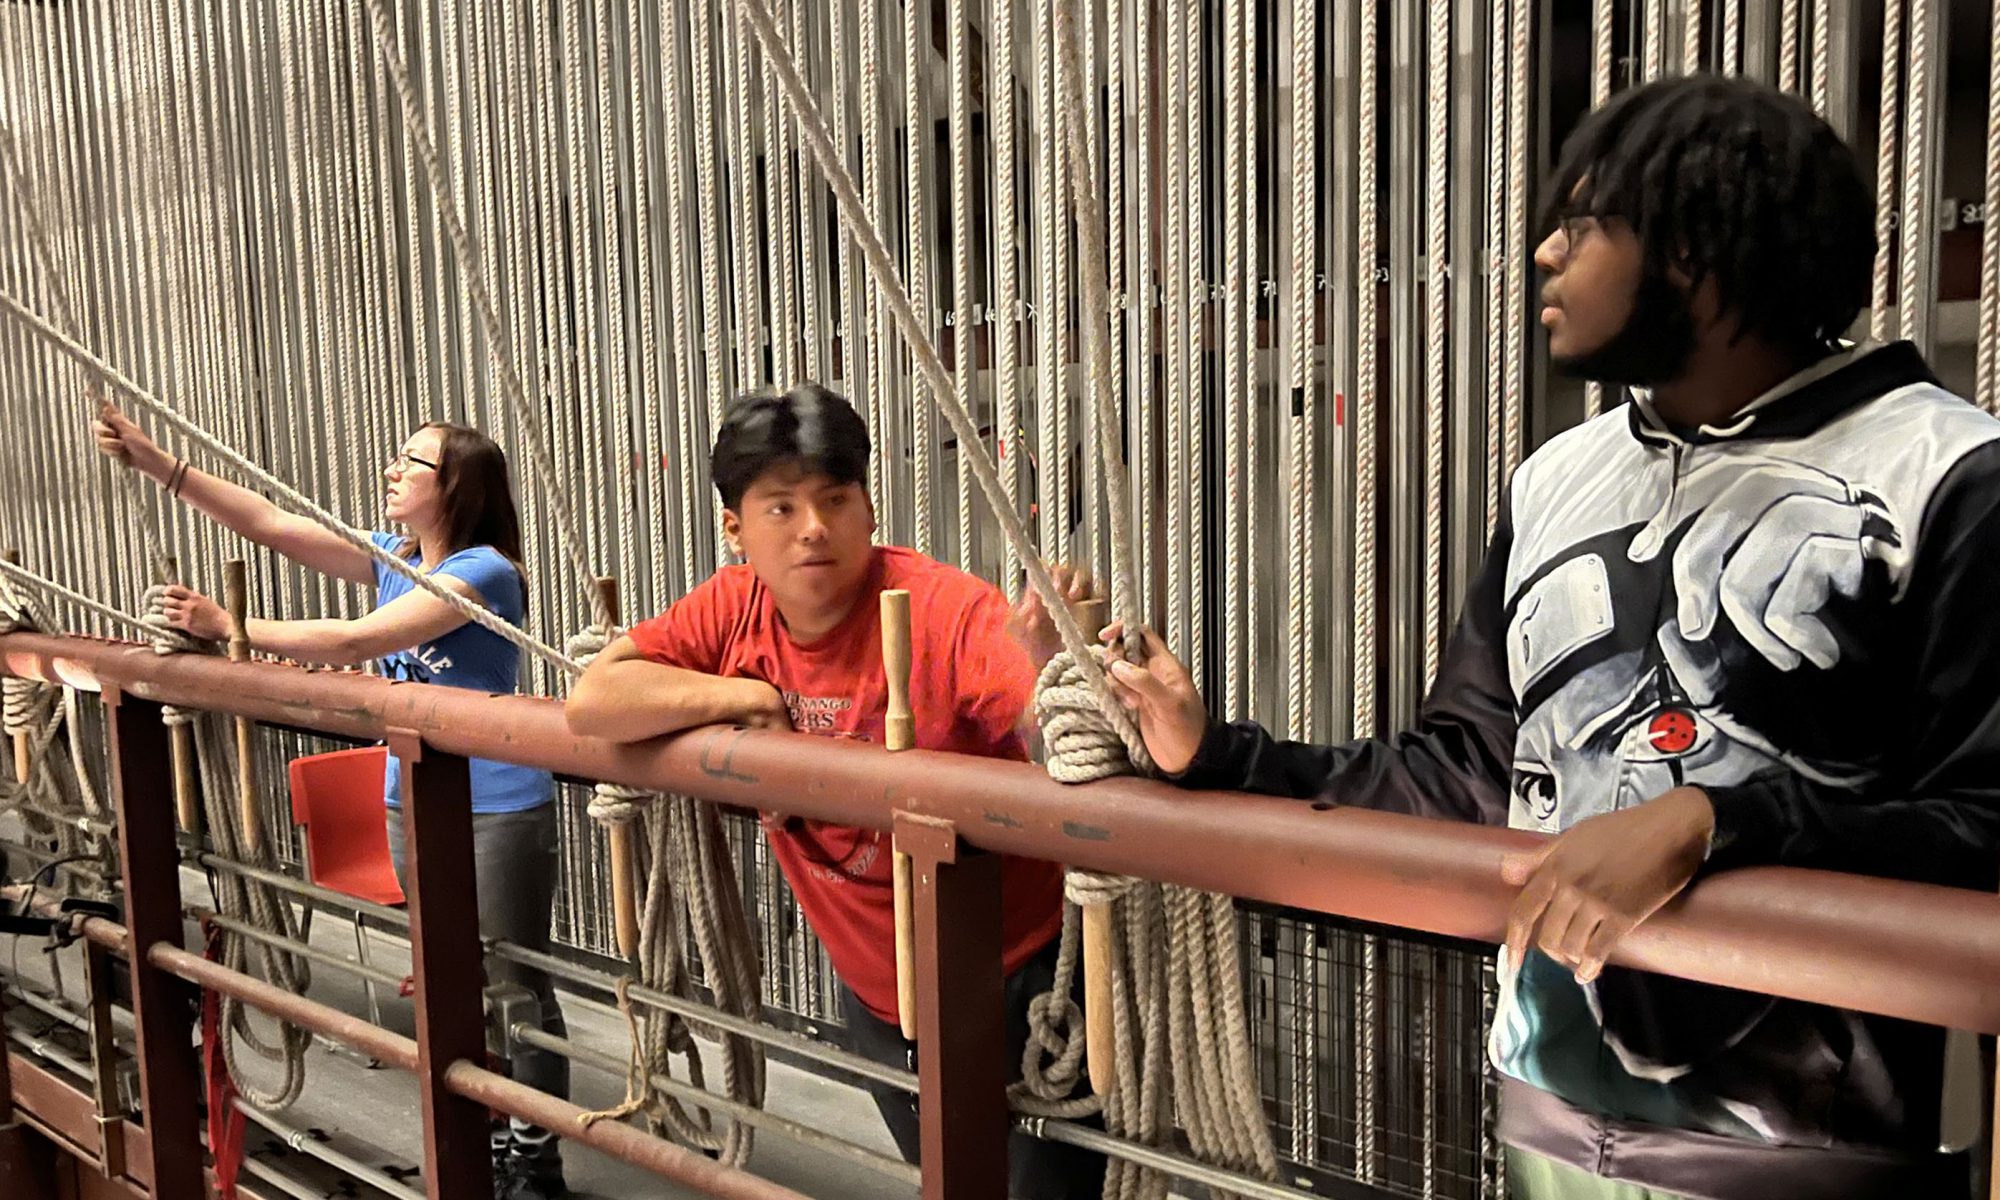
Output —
<point x="1934" y="813"/>
<point x="1456" y="763"/>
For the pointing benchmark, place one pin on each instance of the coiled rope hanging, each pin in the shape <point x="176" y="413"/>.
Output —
<point x="1178" y="992"/>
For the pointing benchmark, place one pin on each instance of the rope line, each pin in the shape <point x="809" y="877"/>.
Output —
<point x="297" y="500"/>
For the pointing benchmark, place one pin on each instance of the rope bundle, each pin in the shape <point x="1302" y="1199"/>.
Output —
<point x="238" y="897"/>
<point x="691" y="888"/>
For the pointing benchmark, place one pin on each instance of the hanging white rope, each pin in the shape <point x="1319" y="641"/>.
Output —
<point x="1301" y="614"/>
<point x="1600" y="91"/>
<point x="1822" y="55"/>
<point x="1788" y="46"/>
<point x="1368" y="379"/>
<point x="1886" y="165"/>
<point x="1436" y="324"/>
<point x="889" y="288"/>
<point x="1988" y="389"/>
<point x="1691" y="37"/>
<point x="65" y="315"/>
<point x="1732" y="36"/>
<point x="1913" y="300"/>
<point x="1007" y="274"/>
<point x="416" y="124"/>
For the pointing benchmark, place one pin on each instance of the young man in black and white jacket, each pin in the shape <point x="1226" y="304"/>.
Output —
<point x="1748" y="619"/>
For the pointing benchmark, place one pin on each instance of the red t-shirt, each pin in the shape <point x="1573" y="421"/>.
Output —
<point x="970" y="683"/>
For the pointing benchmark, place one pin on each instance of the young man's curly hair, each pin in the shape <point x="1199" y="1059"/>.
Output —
<point x="1734" y="181"/>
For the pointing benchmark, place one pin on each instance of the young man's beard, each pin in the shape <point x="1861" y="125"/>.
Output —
<point x="1653" y="346"/>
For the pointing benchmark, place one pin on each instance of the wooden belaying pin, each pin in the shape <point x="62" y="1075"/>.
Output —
<point x="899" y="732"/>
<point x="624" y="899"/>
<point x="236" y="597"/>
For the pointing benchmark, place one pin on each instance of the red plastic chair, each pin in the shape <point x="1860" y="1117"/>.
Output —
<point x="337" y="798"/>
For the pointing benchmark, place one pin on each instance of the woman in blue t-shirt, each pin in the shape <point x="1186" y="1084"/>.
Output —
<point x="448" y="487"/>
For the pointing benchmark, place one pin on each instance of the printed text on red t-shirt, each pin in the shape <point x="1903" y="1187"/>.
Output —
<point x="815" y="714"/>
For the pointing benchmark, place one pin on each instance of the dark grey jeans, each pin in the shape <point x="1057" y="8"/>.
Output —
<point x="514" y="872"/>
<point x="1036" y="1170"/>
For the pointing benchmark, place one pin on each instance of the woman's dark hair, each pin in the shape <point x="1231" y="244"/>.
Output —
<point x="808" y="427"/>
<point x="1734" y="181"/>
<point x="475" y="496"/>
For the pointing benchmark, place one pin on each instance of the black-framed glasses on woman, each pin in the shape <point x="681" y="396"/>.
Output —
<point x="404" y="458"/>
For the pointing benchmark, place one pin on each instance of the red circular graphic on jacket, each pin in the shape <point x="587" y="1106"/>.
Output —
<point x="1672" y="731"/>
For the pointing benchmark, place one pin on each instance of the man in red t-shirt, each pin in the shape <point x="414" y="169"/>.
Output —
<point x="793" y="639"/>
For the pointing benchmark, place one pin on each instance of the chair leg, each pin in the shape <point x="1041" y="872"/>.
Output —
<point x="367" y="985"/>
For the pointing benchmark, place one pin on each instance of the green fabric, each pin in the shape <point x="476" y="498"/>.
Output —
<point x="1532" y="1177"/>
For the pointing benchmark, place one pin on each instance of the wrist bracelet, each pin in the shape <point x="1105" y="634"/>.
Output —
<point x="177" y="477"/>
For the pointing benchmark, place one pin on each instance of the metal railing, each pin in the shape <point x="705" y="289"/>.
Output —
<point x="1899" y="949"/>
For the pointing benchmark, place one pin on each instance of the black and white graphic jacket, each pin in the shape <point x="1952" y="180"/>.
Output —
<point x="1798" y="612"/>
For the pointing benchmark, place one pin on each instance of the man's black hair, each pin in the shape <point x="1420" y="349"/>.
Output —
<point x="1734" y="181"/>
<point x="808" y="427"/>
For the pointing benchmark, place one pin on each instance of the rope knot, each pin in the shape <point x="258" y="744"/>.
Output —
<point x="1051" y="1065"/>
<point x="1088" y="887"/>
<point x="588" y="643"/>
<point x="616" y="804"/>
<point x="166" y="638"/>
<point x="1085" y="743"/>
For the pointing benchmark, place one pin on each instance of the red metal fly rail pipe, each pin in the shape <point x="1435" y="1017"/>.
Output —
<point x="1923" y="953"/>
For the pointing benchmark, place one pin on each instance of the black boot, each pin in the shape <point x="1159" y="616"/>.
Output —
<point x="535" y="1157"/>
